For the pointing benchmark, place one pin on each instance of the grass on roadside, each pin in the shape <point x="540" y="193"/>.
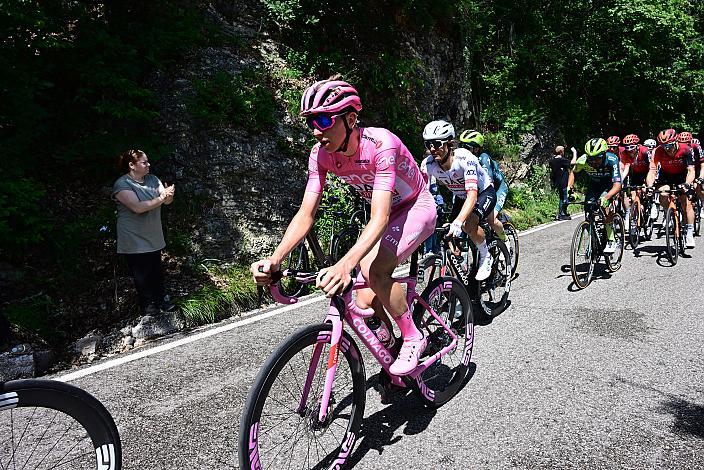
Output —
<point x="230" y="290"/>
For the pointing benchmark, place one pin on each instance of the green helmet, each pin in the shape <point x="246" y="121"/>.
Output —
<point x="472" y="137"/>
<point x="595" y="146"/>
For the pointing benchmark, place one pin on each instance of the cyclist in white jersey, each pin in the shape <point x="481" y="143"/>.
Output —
<point x="460" y="170"/>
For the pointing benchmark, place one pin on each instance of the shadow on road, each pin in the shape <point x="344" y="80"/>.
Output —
<point x="689" y="417"/>
<point x="600" y="273"/>
<point x="378" y="429"/>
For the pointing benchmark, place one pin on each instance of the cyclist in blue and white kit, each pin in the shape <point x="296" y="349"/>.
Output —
<point x="474" y="141"/>
<point x="460" y="170"/>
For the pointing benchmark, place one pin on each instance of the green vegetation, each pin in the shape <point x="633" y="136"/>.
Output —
<point x="229" y="289"/>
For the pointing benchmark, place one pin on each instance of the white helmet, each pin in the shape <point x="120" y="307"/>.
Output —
<point x="650" y="143"/>
<point x="442" y="130"/>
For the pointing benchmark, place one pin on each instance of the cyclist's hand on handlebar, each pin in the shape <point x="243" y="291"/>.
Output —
<point x="333" y="280"/>
<point x="262" y="269"/>
<point x="604" y="201"/>
<point x="456" y="228"/>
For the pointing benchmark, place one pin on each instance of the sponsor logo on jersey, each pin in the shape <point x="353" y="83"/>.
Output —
<point x="377" y="143"/>
<point x="361" y="161"/>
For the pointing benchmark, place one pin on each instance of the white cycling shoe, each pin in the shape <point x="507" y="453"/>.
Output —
<point x="484" y="267"/>
<point x="689" y="240"/>
<point x="408" y="356"/>
<point x="610" y="247"/>
<point x="653" y="212"/>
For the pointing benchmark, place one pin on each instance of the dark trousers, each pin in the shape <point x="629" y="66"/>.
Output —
<point x="562" y="205"/>
<point x="148" y="276"/>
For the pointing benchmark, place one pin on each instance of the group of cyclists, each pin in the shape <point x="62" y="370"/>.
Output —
<point x="672" y="160"/>
<point x="377" y="164"/>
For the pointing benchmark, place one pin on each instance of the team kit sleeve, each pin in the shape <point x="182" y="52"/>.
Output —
<point x="471" y="182"/>
<point x="385" y="166"/>
<point x="316" y="172"/>
<point x="615" y="171"/>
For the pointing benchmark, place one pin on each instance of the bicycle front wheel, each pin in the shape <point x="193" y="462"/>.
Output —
<point x="445" y="377"/>
<point x="634" y="225"/>
<point x="697" y="216"/>
<point x="512" y="245"/>
<point x="671" y="235"/>
<point x="613" y="261"/>
<point x="581" y="258"/>
<point x="280" y="428"/>
<point x="50" y="424"/>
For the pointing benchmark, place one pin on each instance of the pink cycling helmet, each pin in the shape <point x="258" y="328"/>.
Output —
<point x="329" y="97"/>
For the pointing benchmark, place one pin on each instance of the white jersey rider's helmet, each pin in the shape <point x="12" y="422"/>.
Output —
<point x="650" y="143"/>
<point x="439" y="130"/>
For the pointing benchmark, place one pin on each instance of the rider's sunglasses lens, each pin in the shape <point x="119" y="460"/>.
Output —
<point x="631" y="148"/>
<point x="322" y="122"/>
<point x="668" y="146"/>
<point x="433" y="144"/>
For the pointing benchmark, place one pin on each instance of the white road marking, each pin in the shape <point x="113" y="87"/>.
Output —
<point x="251" y="317"/>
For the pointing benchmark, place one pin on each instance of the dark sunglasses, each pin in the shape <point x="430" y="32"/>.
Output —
<point x="322" y="122"/>
<point x="668" y="146"/>
<point x="437" y="143"/>
<point x="631" y="148"/>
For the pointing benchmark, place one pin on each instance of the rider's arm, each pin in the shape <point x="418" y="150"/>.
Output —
<point x="468" y="205"/>
<point x="614" y="190"/>
<point x="652" y="172"/>
<point x="691" y="174"/>
<point x="378" y="220"/>
<point x="625" y="168"/>
<point x="299" y="226"/>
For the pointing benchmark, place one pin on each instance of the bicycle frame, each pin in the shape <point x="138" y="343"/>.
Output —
<point x="343" y="309"/>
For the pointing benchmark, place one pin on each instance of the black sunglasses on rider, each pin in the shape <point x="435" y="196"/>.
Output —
<point x="436" y="143"/>
<point x="669" y="146"/>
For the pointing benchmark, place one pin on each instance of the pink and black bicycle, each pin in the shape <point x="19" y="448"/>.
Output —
<point x="306" y="406"/>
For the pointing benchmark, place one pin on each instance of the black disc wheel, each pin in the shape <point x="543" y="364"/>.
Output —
<point x="582" y="256"/>
<point x="280" y="425"/>
<point x="448" y="298"/>
<point x="48" y="424"/>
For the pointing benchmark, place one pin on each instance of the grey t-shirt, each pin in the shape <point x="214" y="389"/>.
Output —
<point x="138" y="233"/>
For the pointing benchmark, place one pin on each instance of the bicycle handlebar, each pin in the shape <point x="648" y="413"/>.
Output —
<point x="302" y="278"/>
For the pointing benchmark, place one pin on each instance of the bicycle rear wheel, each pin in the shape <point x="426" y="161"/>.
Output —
<point x="613" y="261"/>
<point x="512" y="245"/>
<point x="343" y="241"/>
<point x="50" y="424"/>
<point x="581" y="257"/>
<point x="298" y="259"/>
<point x="429" y="268"/>
<point x="697" y="216"/>
<point x="671" y="235"/>
<point x="493" y="292"/>
<point x="277" y="430"/>
<point x="646" y="221"/>
<point x="445" y="377"/>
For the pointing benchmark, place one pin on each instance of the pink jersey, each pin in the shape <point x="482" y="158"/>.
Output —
<point x="381" y="162"/>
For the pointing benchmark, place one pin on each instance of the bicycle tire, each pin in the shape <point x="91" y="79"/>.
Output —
<point x="613" y="260"/>
<point x="671" y="247"/>
<point x="429" y="268"/>
<point x="634" y="225"/>
<point x="299" y="260"/>
<point x="446" y="377"/>
<point x="500" y="278"/>
<point x="583" y="237"/>
<point x="252" y="432"/>
<point x="697" y="216"/>
<point x="514" y="247"/>
<point x="91" y="439"/>
<point x="343" y="241"/>
<point x="649" y="222"/>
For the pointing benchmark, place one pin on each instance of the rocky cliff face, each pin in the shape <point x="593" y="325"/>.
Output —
<point x="243" y="186"/>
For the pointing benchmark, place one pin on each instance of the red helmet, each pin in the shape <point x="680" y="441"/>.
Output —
<point x="613" y="141"/>
<point x="329" y="96"/>
<point x="631" y="139"/>
<point x="667" y="136"/>
<point x="684" y="137"/>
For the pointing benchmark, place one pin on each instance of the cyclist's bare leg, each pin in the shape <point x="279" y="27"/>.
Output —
<point x="664" y="201"/>
<point x="471" y="227"/>
<point x="495" y="224"/>
<point x="688" y="209"/>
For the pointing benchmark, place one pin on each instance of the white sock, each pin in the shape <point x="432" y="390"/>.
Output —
<point x="690" y="230"/>
<point x="483" y="249"/>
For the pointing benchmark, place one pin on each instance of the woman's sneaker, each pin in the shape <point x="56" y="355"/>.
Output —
<point x="408" y="356"/>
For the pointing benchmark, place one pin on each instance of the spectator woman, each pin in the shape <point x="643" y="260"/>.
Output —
<point x="140" y="238"/>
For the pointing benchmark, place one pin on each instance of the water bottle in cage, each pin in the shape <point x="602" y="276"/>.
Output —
<point x="381" y="331"/>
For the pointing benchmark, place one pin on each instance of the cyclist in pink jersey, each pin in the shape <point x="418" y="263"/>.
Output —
<point x="377" y="164"/>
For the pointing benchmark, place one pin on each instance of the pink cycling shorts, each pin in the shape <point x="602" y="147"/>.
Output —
<point x="410" y="226"/>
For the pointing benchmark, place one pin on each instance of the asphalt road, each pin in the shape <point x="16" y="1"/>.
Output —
<point x="608" y="377"/>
